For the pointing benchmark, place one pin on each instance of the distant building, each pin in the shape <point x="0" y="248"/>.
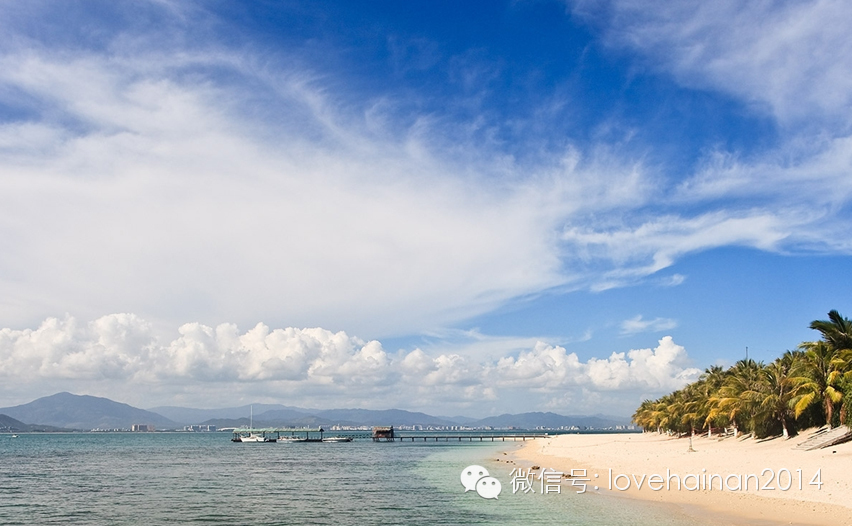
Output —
<point x="200" y="428"/>
<point x="145" y="428"/>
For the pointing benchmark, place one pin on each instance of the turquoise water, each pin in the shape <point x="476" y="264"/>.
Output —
<point x="177" y="478"/>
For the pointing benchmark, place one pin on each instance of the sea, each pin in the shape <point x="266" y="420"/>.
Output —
<point x="204" y="478"/>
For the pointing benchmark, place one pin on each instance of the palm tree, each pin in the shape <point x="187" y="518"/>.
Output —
<point x="713" y="379"/>
<point x="644" y="415"/>
<point x="779" y="391"/>
<point x="836" y="331"/>
<point x="837" y="334"/>
<point x="689" y="403"/>
<point x="739" y="397"/>
<point x="818" y="378"/>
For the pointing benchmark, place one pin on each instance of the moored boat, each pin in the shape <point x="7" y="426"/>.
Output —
<point x="252" y="437"/>
<point x="289" y="439"/>
<point x="337" y="439"/>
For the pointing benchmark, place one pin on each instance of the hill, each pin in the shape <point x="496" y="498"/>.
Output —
<point x="188" y="415"/>
<point x="66" y="410"/>
<point x="10" y="425"/>
<point x="549" y="420"/>
<point x="85" y="412"/>
<point x="396" y="417"/>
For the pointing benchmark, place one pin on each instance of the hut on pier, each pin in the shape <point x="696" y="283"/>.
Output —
<point x="383" y="433"/>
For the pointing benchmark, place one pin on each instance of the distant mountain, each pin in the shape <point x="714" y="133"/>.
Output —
<point x="552" y="420"/>
<point x="458" y="420"/>
<point x="294" y="416"/>
<point x="279" y="418"/>
<point x="71" y="411"/>
<point x="396" y="417"/>
<point x="278" y="415"/>
<point x="10" y="425"/>
<point x="186" y="415"/>
<point x="65" y="410"/>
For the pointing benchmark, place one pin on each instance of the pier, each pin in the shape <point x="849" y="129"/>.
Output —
<point x="471" y="438"/>
<point x="388" y="434"/>
<point x="379" y="434"/>
<point x="283" y="434"/>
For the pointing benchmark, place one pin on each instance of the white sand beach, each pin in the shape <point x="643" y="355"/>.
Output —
<point x="621" y="460"/>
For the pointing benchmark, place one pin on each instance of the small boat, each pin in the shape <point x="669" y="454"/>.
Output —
<point x="290" y="439"/>
<point x="337" y="439"/>
<point x="249" y="435"/>
<point x="14" y="436"/>
<point x="252" y="437"/>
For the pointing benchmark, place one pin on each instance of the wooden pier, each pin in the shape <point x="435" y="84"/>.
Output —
<point x="283" y="434"/>
<point x="388" y="434"/>
<point x="470" y="438"/>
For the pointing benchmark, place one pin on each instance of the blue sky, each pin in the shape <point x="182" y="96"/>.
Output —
<point x="462" y="209"/>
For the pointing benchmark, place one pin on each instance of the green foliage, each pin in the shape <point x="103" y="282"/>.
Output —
<point x="846" y="408"/>
<point x="808" y="387"/>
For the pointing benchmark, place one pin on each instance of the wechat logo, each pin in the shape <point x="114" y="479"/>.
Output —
<point x="476" y="478"/>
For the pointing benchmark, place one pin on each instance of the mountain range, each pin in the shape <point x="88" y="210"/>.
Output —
<point x="10" y="425"/>
<point x="70" y="411"/>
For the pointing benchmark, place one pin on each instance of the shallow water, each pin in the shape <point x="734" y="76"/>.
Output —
<point x="184" y="478"/>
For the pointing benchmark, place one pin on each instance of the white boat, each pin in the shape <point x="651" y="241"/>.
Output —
<point x="253" y="437"/>
<point x="337" y="439"/>
<point x="289" y="439"/>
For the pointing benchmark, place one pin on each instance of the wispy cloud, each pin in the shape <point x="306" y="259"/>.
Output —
<point x="794" y="58"/>
<point x="638" y="325"/>
<point x="156" y="170"/>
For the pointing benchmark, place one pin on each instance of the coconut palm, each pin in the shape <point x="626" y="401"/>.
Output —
<point x="778" y="395"/>
<point x="693" y="407"/>
<point x="836" y="331"/>
<point x="739" y="397"/>
<point x="837" y="334"/>
<point x="644" y="415"/>
<point x="713" y="378"/>
<point x="818" y="378"/>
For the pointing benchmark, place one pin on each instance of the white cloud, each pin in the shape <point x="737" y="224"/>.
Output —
<point x="196" y="182"/>
<point x="658" y="242"/>
<point x="793" y="57"/>
<point x="120" y="357"/>
<point x="638" y="324"/>
<point x="789" y="61"/>
<point x="164" y="200"/>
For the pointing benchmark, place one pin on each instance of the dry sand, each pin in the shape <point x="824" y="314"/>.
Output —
<point x="635" y="455"/>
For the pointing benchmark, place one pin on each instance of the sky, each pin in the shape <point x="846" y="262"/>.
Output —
<point x="468" y="208"/>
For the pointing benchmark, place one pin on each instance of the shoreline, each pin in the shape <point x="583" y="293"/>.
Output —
<point x="623" y="461"/>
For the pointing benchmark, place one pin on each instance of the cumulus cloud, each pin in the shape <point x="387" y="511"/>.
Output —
<point x="119" y="356"/>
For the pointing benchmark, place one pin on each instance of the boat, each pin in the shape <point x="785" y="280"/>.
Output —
<point x="337" y="439"/>
<point x="253" y="437"/>
<point x="289" y="439"/>
<point x="250" y="435"/>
